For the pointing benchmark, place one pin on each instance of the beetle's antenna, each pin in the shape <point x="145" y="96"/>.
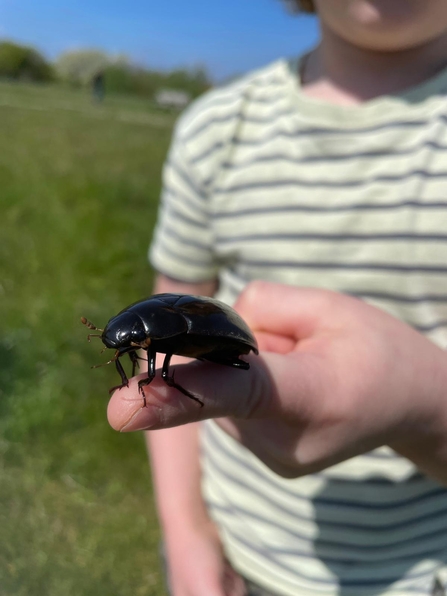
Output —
<point x="90" y="325"/>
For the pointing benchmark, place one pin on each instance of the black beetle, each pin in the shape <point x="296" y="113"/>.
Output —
<point x="194" y="326"/>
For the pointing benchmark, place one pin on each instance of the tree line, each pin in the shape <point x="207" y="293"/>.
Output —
<point x="77" y="68"/>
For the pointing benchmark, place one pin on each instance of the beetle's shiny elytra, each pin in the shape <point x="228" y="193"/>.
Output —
<point x="193" y="326"/>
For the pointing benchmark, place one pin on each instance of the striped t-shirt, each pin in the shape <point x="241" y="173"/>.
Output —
<point x="263" y="182"/>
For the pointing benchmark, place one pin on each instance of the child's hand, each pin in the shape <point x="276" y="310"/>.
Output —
<point x="335" y="378"/>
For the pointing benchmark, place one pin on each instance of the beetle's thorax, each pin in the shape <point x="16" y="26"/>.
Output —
<point x="126" y="330"/>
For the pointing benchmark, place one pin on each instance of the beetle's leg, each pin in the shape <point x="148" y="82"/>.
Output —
<point x="151" y="354"/>
<point x="134" y="359"/>
<point x="169" y="380"/>
<point x="120" y="369"/>
<point x="124" y="379"/>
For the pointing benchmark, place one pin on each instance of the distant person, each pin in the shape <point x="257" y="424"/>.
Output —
<point x="323" y="469"/>
<point x="98" y="88"/>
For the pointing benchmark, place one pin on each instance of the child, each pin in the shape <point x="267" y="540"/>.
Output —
<point x="327" y="172"/>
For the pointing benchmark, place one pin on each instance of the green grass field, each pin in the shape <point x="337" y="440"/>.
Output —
<point x="79" y="193"/>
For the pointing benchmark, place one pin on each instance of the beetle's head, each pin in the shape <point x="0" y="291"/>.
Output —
<point x="125" y="332"/>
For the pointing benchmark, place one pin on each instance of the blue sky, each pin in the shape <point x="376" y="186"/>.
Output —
<point x="227" y="36"/>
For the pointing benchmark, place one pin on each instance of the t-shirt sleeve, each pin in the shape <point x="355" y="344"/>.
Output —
<point x="182" y="244"/>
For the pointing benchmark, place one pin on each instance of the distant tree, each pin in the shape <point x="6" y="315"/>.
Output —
<point x="126" y="78"/>
<point x="19" y="62"/>
<point x="194" y="81"/>
<point x="118" y="78"/>
<point x="147" y="82"/>
<point x="78" y="67"/>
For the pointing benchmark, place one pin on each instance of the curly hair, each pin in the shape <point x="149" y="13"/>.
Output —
<point x="300" y="5"/>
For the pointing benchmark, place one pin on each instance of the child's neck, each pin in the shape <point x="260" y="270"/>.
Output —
<point x="341" y="73"/>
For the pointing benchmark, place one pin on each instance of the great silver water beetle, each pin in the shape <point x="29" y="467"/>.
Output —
<point x="193" y="326"/>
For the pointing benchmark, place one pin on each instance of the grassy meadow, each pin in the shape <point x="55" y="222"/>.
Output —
<point x="79" y="188"/>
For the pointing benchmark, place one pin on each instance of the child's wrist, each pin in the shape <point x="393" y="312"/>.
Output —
<point x="424" y="436"/>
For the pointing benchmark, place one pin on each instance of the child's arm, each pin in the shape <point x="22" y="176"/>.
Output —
<point x="191" y="540"/>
